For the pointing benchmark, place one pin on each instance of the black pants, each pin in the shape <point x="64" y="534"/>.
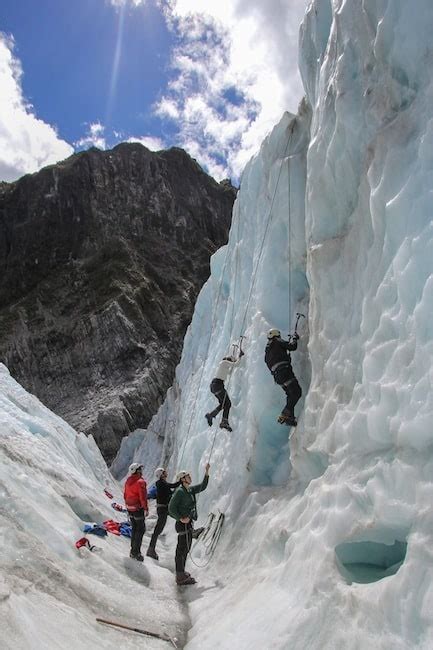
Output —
<point x="184" y="540"/>
<point x="138" y="526"/>
<point x="160" y="524"/>
<point x="293" y="392"/>
<point x="218" y="389"/>
<point x="285" y="378"/>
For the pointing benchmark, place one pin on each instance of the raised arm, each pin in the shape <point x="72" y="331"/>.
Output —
<point x="172" y="486"/>
<point x="195" y="489"/>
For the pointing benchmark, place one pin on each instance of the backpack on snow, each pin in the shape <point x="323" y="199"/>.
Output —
<point x="151" y="492"/>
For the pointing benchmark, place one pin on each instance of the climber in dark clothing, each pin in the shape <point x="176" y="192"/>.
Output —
<point x="277" y="358"/>
<point x="164" y="491"/>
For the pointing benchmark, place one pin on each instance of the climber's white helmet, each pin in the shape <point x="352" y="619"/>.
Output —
<point x="182" y="474"/>
<point x="159" y="472"/>
<point x="273" y="333"/>
<point x="134" y="467"/>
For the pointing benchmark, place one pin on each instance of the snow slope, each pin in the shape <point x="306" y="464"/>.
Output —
<point x="328" y="539"/>
<point x="51" y="482"/>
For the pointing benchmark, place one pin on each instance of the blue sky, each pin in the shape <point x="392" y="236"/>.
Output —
<point x="164" y="72"/>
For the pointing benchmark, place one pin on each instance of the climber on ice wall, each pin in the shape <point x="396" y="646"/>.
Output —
<point x="278" y="360"/>
<point x="218" y="389"/>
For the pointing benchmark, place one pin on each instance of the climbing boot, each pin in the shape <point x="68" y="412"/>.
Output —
<point x="152" y="553"/>
<point x="137" y="556"/>
<point x="197" y="532"/>
<point x="288" y="420"/>
<point x="184" y="579"/>
<point x="209" y="419"/>
<point x="225" y="425"/>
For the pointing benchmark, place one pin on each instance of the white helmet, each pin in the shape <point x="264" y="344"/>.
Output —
<point x="159" y="472"/>
<point x="182" y="474"/>
<point x="133" y="468"/>
<point x="274" y="333"/>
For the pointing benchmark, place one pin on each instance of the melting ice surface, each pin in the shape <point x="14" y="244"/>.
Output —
<point x="51" y="482"/>
<point x="348" y="243"/>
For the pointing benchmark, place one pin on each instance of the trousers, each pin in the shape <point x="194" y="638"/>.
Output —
<point x="184" y="540"/>
<point x="224" y="404"/>
<point x="162" y="512"/>
<point x="138" y="527"/>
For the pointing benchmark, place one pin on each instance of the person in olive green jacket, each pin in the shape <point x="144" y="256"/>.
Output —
<point x="183" y="508"/>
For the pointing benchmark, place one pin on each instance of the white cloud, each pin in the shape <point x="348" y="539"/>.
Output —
<point x="235" y="73"/>
<point x="149" y="141"/>
<point x="95" y="137"/>
<point x="26" y="142"/>
<point x="121" y="3"/>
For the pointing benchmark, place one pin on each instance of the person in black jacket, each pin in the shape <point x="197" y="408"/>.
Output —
<point x="164" y="491"/>
<point x="277" y="358"/>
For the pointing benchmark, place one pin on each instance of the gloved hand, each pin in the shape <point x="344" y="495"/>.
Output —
<point x="241" y="354"/>
<point x="296" y="336"/>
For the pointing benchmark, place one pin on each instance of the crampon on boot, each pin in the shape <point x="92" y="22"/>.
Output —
<point x="209" y="419"/>
<point x="184" y="579"/>
<point x="288" y="420"/>
<point x="225" y="425"/>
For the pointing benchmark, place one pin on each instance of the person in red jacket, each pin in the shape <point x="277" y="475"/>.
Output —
<point x="135" y="495"/>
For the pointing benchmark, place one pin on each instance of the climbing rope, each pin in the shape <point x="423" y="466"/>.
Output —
<point x="218" y="530"/>
<point x="210" y="543"/>
<point x="268" y="223"/>
<point x="213" y="321"/>
<point x="254" y="275"/>
<point x="290" y="237"/>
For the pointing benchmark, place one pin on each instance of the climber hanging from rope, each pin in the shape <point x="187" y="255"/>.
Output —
<point x="278" y="360"/>
<point x="218" y="389"/>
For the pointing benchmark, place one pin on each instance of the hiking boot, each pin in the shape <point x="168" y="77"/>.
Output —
<point x="184" y="579"/>
<point x="152" y="553"/>
<point x="225" y="425"/>
<point x="137" y="556"/>
<point x="197" y="532"/>
<point x="209" y="419"/>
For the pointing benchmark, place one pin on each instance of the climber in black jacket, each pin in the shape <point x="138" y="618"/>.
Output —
<point x="164" y="491"/>
<point x="277" y="358"/>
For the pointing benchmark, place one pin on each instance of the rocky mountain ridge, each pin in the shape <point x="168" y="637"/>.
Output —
<point x="102" y="257"/>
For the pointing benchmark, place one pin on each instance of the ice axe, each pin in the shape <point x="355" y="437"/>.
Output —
<point x="298" y="316"/>
<point x="155" y="635"/>
<point x="235" y="347"/>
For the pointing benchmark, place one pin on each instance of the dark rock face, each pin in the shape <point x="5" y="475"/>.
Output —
<point x="101" y="260"/>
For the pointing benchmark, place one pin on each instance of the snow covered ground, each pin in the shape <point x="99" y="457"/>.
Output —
<point x="51" y="483"/>
<point x="328" y="539"/>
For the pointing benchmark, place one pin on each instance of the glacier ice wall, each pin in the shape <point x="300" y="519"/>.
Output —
<point x="358" y="262"/>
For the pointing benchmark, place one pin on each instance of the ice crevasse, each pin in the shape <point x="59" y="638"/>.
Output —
<point x="328" y="539"/>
